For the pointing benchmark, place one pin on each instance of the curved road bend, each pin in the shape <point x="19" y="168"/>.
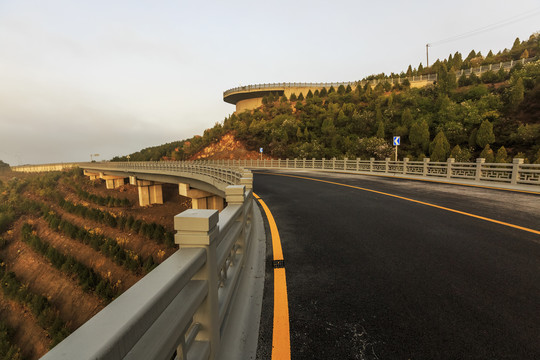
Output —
<point x="370" y="276"/>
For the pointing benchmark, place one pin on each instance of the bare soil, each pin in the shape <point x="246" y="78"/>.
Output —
<point x="33" y="341"/>
<point x="75" y="305"/>
<point x="227" y="148"/>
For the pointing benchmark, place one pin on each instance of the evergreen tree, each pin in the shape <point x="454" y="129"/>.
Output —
<point x="516" y="94"/>
<point x="341" y="89"/>
<point x="419" y="135"/>
<point x="380" y="130"/>
<point x="501" y="156"/>
<point x="348" y="89"/>
<point x="487" y="154"/>
<point x="439" y="147"/>
<point x="299" y="133"/>
<point x="300" y="97"/>
<point x="323" y="92"/>
<point x="293" y="97"/>
<point x="485" y="134"/>
<point x="331" y="90"/>
<point x="406" y="118"/>
<point x="537" y="157"/>
<point x="309" y="95"/>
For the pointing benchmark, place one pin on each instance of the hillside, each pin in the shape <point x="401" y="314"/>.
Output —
<point x="68" y="247"/>
<point x="495" y="116"/>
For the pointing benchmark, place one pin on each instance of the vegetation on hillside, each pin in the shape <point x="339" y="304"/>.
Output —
<point x="495" y="116"/>
<point x="36" y="211"/>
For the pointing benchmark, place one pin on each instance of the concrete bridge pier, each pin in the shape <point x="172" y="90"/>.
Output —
<point x="111" y="181"/>
<point x="150" y="192"/>
<point x="91" y="175"/>
<point x="201" y="199"/>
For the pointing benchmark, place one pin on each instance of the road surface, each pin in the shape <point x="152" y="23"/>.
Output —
<point x="400" y="269"/>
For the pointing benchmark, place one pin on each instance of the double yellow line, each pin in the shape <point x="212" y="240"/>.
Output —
<point x="281" y="339"/>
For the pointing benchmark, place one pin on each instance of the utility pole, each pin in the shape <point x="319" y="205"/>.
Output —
<point x="427" y="55"/>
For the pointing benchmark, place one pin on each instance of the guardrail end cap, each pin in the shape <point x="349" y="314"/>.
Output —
<point x="196" y="220"/>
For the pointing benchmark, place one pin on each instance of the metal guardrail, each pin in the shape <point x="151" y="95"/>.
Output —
<point x="419" y="78"/>
<point x="516" y="173"/>
<point x="179" y="309"/>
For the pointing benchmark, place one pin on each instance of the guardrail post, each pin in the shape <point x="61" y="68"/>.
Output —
<point x="386" y="165"/>
<point x="449" y="164"/>
<point x="426" y="166"/>
<point x="198" y="229"/>
<point x="479" y="163"/>
<point x="405" y="161"/>
<point x="371" y="161"/>
<point x="515" y="170"/>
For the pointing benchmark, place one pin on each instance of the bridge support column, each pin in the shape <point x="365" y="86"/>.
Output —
<point x="91" y="175"/>
<point x="198" y="229"/>
<point x="149" y="192"/>
<point x="201" y="199"/>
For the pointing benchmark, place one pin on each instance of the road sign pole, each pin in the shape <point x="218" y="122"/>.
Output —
<point x="396" y="154"/>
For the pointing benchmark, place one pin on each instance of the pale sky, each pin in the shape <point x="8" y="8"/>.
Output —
<point x="113" y="77"/>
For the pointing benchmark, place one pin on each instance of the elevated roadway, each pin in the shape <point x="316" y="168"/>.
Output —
<point x="382" y="268"/>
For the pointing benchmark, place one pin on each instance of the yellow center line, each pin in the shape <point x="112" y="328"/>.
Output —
<point x="281" y="339"/>
<point x="415" y="201"/>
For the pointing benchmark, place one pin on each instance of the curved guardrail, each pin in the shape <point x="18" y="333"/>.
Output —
<point x="180" y="308"/>
<point x="419" y="78"/>
<point x="516" y="173"/>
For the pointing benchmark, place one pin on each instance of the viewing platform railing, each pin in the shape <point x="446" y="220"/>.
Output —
<point x="391" y="80"/>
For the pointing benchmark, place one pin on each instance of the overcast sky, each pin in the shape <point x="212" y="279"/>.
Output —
<point x="113" y="77"/>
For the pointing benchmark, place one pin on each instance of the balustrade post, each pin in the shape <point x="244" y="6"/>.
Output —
<point x="294" y="163"/>
<point x="287" y="163"/>
<point x="345" y="164"/>
<point x="425" y="170"/>
<point x="322" y="163"/>
<point x="515" y="170"/>
<point x="371" y="160"/>
<point x="357" y="164"/>
<point x="405" y="161"/>
<point x="313" y="163"/>
<point x="449" y="164"/>
<point x="478" y="174"/>
<point x="303" y="163"/>
<point x="333" y="163"/>
<point x="386" y="165"/>
<point x="198" y="229"/>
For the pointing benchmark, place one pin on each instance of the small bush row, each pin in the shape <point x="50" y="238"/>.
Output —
<point x="151" y="231"/>
<point x="7" y="349"/>
<point x="46" y="315"/>
<point x="89" y="280"/>
<point x="99" y="242"/>
<point x="108" y="201"/>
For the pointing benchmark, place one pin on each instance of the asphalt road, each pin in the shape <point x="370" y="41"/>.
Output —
<point x="370" y="276"/>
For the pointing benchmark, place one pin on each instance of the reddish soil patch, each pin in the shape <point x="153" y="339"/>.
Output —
<point x="75" y="305"/>
<point x="33" y="341"/>
<point x="227" y="148"/>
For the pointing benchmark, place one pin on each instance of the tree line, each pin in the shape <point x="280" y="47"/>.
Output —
<point x="451" y="117"/>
